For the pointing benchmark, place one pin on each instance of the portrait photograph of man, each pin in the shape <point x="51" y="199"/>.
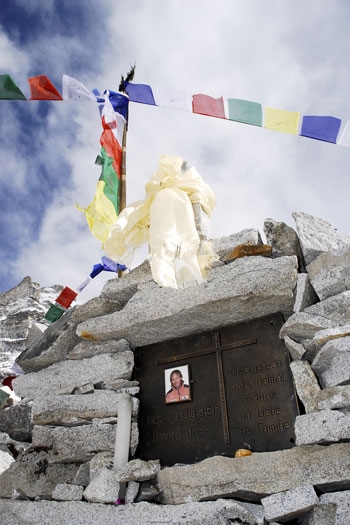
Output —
<point x="177" y="384"/>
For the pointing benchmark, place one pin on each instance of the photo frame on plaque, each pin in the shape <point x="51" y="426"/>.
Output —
<point x="177" y="384"/>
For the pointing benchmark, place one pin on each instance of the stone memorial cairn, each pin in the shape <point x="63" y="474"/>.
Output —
<point x="57" y="444"/>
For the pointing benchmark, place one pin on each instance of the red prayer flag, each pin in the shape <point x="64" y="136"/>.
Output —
<point x="41" y="88"/>
<point x="66" y="297"/>
<point x="206" y="105"/>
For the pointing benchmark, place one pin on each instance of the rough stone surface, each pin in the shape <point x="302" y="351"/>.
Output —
<point x="88" y="388"/>
<point x="78" y="444"/>
<point x="57" y="340"/>
<point x="291" y="504"/>
<point x="122" y="290"/>
<point x="305" y="295"/>
<point x="317" y="236"/>
<point x="332" y="363"/>
<point x="99" y="461"/>
<point x="138" y="470"/>
<point x="16" y="421"/>
<point x="57" y="409"/>
<point x="323" y="336"/>
<point x="326" y="468"/>
<point x="334" y="397"/>
<point x="155" y="314"/>
<point x="86" y="349"/>
<point x="306" y="384"/>
<point x="342" y="501"/>
<point x="324" y="426"/>
<point x="66" y="492"/>
<point x="104" y="487"/>
<point x="321" y="514"/>
<point x="5" y="460"/>
<point x="80" y="513"/>
<point x="64" y="377"/>
<point x="302" y="325"/>
<point x="225" y="245"/>
<point x="330" y="274"/>
<point x="33" y="476"/>
<point x="283" y="239"/>
<point x="131" y="492"/>
<point x="296" y="350"/>
<point x="335" y="308"/>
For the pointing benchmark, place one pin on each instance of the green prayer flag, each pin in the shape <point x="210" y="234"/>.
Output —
<point x="110" y="178"/>
<point x="245" y="111"/>
<point x="9" y="90"/>
<point x="54" y="313"/>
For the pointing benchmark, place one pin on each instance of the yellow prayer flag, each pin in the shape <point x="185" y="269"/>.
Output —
<point x="282" y="120"/>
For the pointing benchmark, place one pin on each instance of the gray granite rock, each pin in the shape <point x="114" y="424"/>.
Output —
<point x="122" y="290"/>
<point x="303" y="325"/>
<point x="104" y="487"/>
<point x="342" y="502"/>
<point x="245" y="289"/>
<point x="317" y="236"/>
<point x="332" y="363"/>
<point x="131" y="492"/>
<point x="78" y="444"/>
<point x="296" y="350"/>
<point x="99" y="461"/>
<point x="51" y="410"/>
<point x="291" y="504"/>
<point x="324" y="426"/>
<point x="86" y="349"/>
<point x="82" y="513"/>
<point x="88" y="388"/>
<point x="5" y="460"/>
<point x="67" y="492"/>
<point x="284" y="240"/>
<point x="321" y="514"/>
<point x="57" y="340"/>
<point x="65" y="376"/>
<point x="322" y="467"/>
<point x="323" y="336"/>
<point x="334" y="397"/>
<point x="306" y="384"/>
<point x="305" y="295"/>
<point x="16" y="421"/>
<point x="225" y="245"/>
<point x="330" y="274"/>
<point x="335" y="308"/>
<point x="138" y="470"/>
<point x="33" y="476"/>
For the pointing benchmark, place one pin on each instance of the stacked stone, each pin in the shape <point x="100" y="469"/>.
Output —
<point x="83" y="362"/>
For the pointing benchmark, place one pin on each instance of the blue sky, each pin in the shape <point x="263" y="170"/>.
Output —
<point x="287" y="55"/>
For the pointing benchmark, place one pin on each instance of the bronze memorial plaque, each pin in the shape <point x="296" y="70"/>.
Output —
<point x="215" y="392"/>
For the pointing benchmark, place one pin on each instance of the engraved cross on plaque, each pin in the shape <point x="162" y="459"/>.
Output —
<point x="218" y="349"/>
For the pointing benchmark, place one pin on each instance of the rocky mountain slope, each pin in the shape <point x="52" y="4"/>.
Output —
<point x="21" y="309"/>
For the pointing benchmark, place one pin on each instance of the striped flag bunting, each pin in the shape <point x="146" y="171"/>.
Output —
<point x="67" y="296"/>
<point x="325" y="128"/>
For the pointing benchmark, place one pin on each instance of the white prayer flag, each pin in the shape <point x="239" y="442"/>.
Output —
<point x="75" y="90"/>
<point x="344" y="139"/>
<point x="172" y="98"/>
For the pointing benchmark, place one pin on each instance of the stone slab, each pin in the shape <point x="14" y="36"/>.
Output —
<point x="332" y="363"/>
<point x="65" y="376"/>
<point x="83" y="513"/>
<point x="324" y="426"/>
<point x="291" y="504"/>
<point x="342" y="501"/>
<point x="330" y="274"/>
<point x="53" y="410"/>
<point x="326" y="468"/>
<point x="245" y="289"/>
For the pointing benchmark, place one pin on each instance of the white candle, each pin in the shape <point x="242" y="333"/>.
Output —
<point x="122" y="442"/>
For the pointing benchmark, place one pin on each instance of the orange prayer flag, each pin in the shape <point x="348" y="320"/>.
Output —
<point x="41" y="88"/>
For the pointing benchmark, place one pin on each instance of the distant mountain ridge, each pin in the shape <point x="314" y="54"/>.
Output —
<point x="20" y="308"/>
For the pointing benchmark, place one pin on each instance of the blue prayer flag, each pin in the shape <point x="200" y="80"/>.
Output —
<point x="321" y="128"/>
<point x="140" y="93"/>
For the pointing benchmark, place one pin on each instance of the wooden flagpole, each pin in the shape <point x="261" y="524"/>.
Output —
<point x="122" y="184"/>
